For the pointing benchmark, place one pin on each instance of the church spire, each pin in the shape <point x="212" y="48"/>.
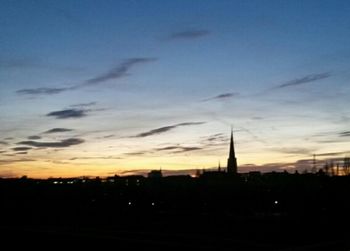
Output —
<point x="232" y="160"/>
<point x="232" y="146"/>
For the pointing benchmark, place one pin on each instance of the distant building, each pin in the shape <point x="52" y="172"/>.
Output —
<point x="155" y="174"/>
<point x="232" y="160"/>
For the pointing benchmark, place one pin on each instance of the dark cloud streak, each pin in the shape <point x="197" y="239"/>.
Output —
<point x="165" y="129"/>
<point x="12" y="161"/>
<point x="167" y="148"/>
<point x="188" y="34"/>
<point x="57" y="130"/>
<point x="178" y="148"/>
<point x="344" y="134"/>
<point x="222" y="96"/>
<point x="119" y="71"/>
<point x="214" y="140"/>
<point x="305" y="80"/>
<point x="22" y="148"/>
<point x="108" y="136"/>
<point x="137" y="153"/>
<point x="68" y="113"/>
<point x="332" y="154"/>
<point x="43" y="91"/>
<point x="34" y="137"/>
<point x="187" y="149"/>
<point x="84" y="104"/>
<point x="63" y="143"/>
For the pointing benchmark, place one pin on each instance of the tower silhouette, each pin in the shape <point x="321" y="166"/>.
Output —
<point x="232" y="160"/>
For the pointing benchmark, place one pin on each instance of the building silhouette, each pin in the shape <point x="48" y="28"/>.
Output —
<point x="155" y="174"/>
<point x="232" y="160"/>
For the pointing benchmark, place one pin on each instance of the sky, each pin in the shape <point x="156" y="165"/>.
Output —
<point x="97" y="88"/>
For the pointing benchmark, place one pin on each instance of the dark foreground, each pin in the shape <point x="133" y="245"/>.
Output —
<point x="216" y="212"/>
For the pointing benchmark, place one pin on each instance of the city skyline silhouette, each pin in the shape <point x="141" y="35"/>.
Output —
<point x="217" y="210"/>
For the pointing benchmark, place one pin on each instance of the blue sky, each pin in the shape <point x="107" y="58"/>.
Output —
<point x="105" y="73"/>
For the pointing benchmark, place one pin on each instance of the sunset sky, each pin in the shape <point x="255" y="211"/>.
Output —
<point x="117" y="87"/>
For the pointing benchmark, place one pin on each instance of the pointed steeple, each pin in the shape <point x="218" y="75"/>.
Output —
<point x="219" y="167"/>
<point x="232" y="160"/>
<point x="232" y="146"/>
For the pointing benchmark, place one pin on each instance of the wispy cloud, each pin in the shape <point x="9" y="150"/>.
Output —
<point x="21" y="148"/>
<point x="68" y="113"/>
<point x="12" y="161"/>
<point x="119" y="71"/>
<point x="167" y="148"/>
<point x="222" y="96"/>
<point x="165" y="129"/>
<point x="304" y="80"/>
<point x="137" y="153"/>
<point x="9" y="154"/>
<point x="178" y="148"/>
<point x="327" y="141"/>
<point x="170" y="149"/>
<point x="217" y="136"/>
<point x="108" y="136"/>
<point x="332" y="154"/>
<point x="43" y="91"/>
<point x="218" y="139"/>
<point x="82" y="105"/>
<point x="58" y="130"/>
<point x="3" y="143"/>
<point x="188" y="34"/>
<point x="330" y="137"/>
<point x="344" y="134"/>
<point x="34" y="137"/>
<point x="62" y="143"/>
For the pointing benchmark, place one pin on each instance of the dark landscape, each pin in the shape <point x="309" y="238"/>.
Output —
<point x="275" y="211"/>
